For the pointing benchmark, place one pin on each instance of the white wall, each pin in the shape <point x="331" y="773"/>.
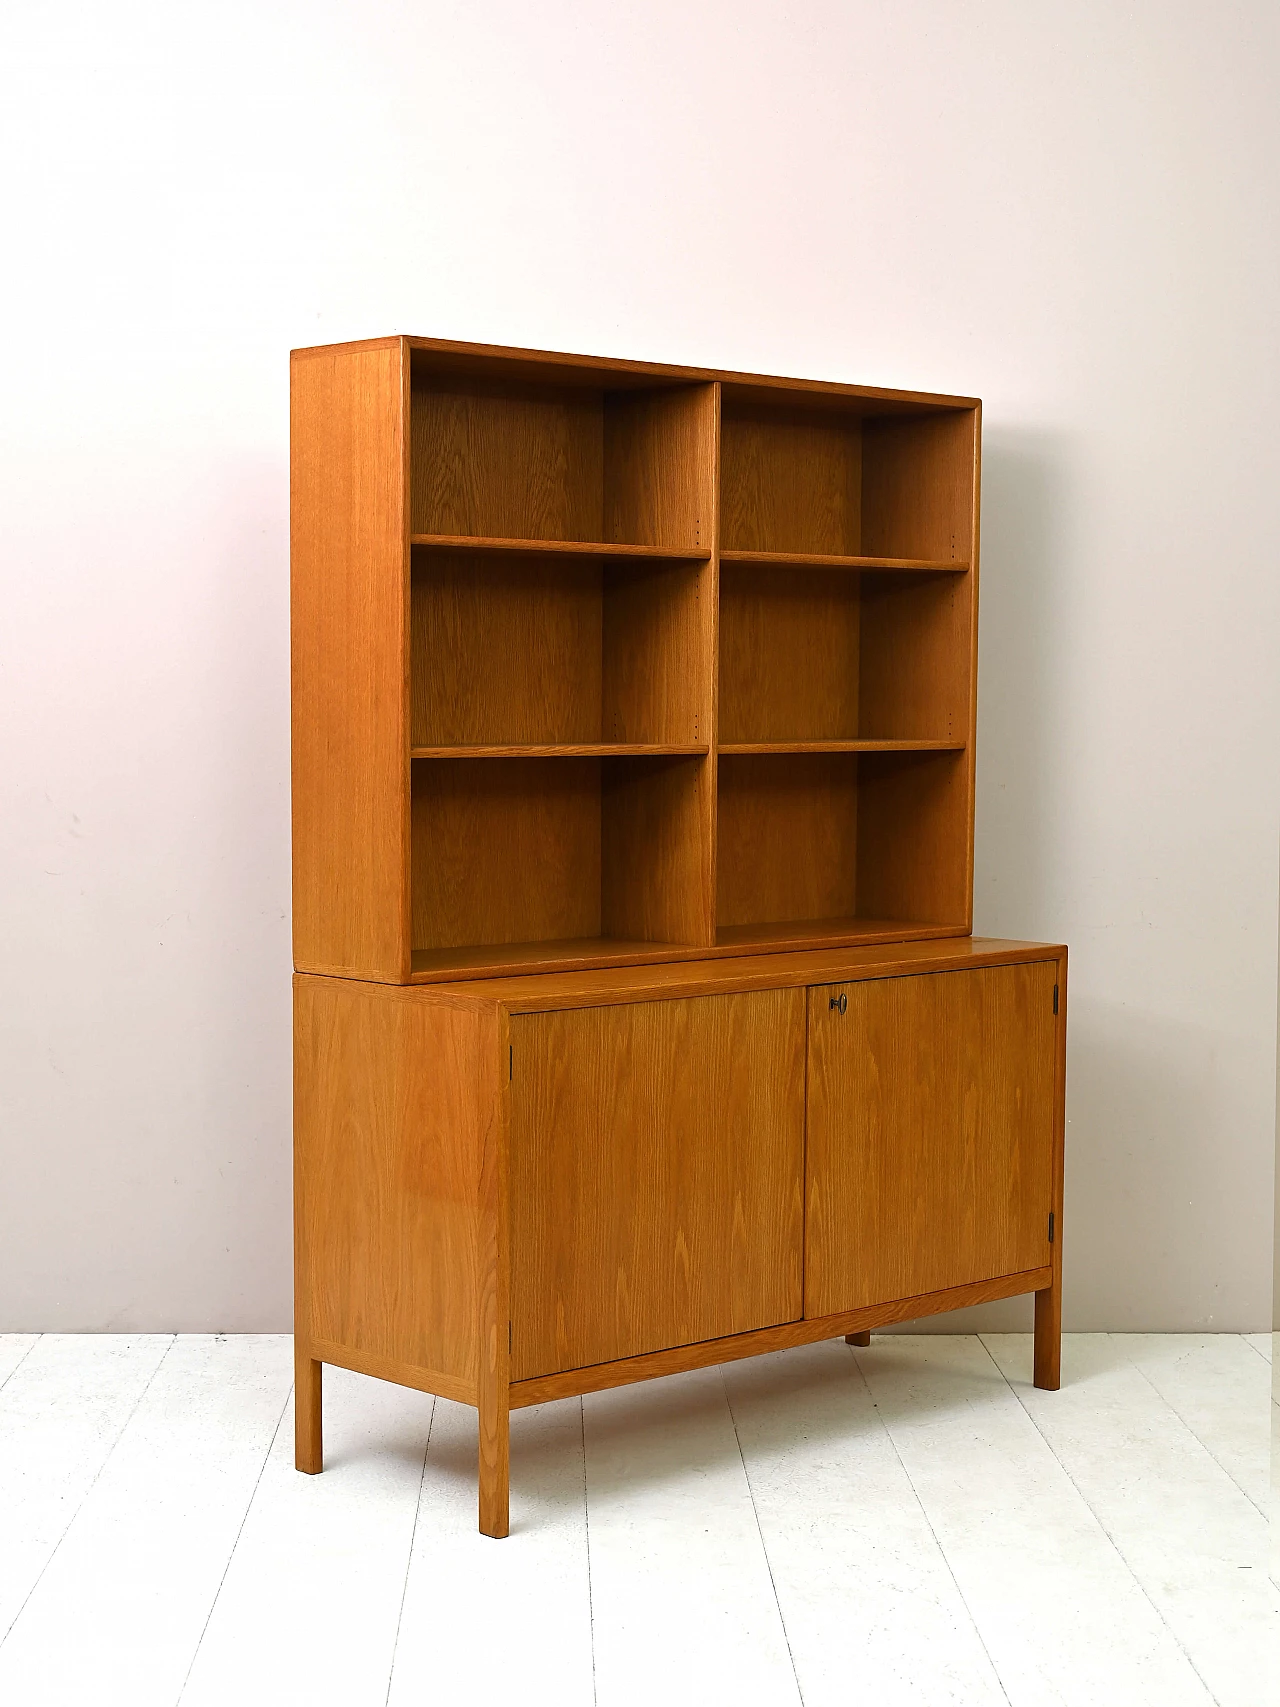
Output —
<point x="1071" y="211"/>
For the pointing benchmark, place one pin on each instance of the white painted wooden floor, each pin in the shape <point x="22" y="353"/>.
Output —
<point x="909" y="1523"/>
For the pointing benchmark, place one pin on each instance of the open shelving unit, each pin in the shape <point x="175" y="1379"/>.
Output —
<point x="600" y="662"/>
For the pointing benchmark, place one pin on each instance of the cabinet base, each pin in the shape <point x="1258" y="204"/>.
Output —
<point x="854" y="1325"/>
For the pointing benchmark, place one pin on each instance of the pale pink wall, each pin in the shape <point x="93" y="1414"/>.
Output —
<point x="1071" y="211"/>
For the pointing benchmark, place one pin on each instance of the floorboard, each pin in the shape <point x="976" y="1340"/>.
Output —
<point x="1192" y="1539"/>
<point x="907" y="1523"/>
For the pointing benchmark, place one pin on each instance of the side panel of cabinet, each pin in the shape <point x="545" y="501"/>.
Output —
<point x="657" y="1159"/>
<point x="397" y="1103"/>
<point x="930" y="1133"/>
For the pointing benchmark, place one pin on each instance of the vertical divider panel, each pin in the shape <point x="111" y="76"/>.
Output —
<point x="661" y="451"/>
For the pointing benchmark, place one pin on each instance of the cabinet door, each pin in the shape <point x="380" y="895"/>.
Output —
<point x="930" y="1133"/>
<point x="657" y="1165"/>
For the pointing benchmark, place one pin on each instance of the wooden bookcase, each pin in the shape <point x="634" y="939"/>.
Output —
<point x="585" y="650"/>
<point x="621" y="683"/>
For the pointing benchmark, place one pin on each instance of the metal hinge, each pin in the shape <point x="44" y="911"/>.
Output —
<point x="1055" y="998"/>
<point x="1051" y="1226"/>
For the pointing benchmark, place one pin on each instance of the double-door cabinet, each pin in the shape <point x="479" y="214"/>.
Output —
<point x="521" y="1189"/>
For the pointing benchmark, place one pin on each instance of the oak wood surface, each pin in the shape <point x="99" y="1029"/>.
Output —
<point x="789" y="656"/>
<point x="854" y="746"/>
<point x="508" y="461"/>
<point x="586" y="750"/>
<point x="506" y="651"/>
<point x="703" y="975"/>
<point x="477" y="545"/>
<point x="349" y="568"/>
<point x="790" y="483"/>
<point x="915" y="836"/>
<point x="656" y="1165"/>
<point x="599" y="1377"/>
<point x="394" y="1102"/>
<point x="569" y="954"/>
<point x="505" y="850"/>
<point x="1047" y="1360"/>
<point x="392" y="1369"/>
<point x="653" y="879"/>
<point x="930" y="1141"/>
<point x="788" y="839"/>
<point x="829" y="560"/>
<point x="308" y="1431"/>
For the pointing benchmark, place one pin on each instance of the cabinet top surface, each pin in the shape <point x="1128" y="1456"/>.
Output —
<point x="443" y="356"/>
<point x="669" y="980"/>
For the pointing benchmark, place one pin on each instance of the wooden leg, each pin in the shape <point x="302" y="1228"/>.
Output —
<point x="308" y="1443"/>
<point x="1048" y="1352"/>
<point x="858" y="1339"/>
<point x="495" y="1466"/>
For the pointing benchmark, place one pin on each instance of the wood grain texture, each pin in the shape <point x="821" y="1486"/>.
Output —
<point x="1047" y="1362"/>
<point x="506" y="650"/>
<point x="930" y="1141"/>
<point x="915" y="837"/>
<point x="493" y="1375"/>
<point x="703" y="975"/>
<point x="909" y="746"/>
<point x="656" y="1162"/>
<point x="915" y="673"/>
<point x="308" y="1430"/>
<point x="395" y="1098"/>
<point x="918" y="486"/>
<point x="656" y="678"/>
<point x="828" y="560"/>
<point x="505" y="850"/>
<point x="473" y="545"/>
<point x="508" y="461"/>
<point x="602" y="1376"/>
<point x="454" y="1387"/>
<point x="349" y="566"/>
<point x="659" y="476"/>
<point x="788" y="839"/>
<point x="584" y="750"/>
<point x="791" y="482"/>
<point x="789" y="655"/>
<point x="654" y="878"/>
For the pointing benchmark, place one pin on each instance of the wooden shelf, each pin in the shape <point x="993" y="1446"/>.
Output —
<point x="727" y="748"/>
<point x="826" y="560"/>
<point x="584" y="750"/>
<point x="582" y="954"/>
<point x="486" y="960"/>
<point x="555" y="548"/>
<point x="825" y="933"/>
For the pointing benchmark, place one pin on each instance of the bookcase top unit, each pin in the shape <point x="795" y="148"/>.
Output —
<point x="443" y="356"/>
<point x="602" y="663"/>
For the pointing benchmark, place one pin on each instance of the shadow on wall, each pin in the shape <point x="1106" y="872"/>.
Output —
<point x="1158" y="1174"/>
<point x="1025" y="502"/>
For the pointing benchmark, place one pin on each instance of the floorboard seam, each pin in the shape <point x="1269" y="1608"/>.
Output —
<point x="1088" y="1503"/>
<point x="1194" y="1433"/>
<point x="586" y="1518"/>
<point x="36" y="1341"/>
<point x="755" y="1512"/>
<point x="408" y="1564"/>
<point x="217" y="1593"/>
<point x="173" y="1338"/>
<point x="942" y="1552"/>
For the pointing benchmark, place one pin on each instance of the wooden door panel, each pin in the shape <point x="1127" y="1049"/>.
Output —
<point x="657" y="1163"/>
<point x="930" y="1133"/>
